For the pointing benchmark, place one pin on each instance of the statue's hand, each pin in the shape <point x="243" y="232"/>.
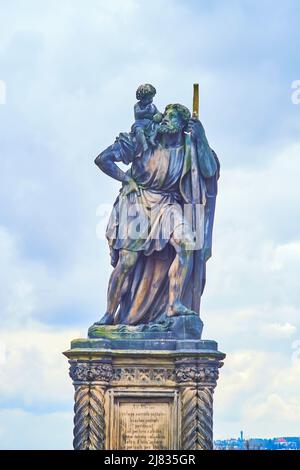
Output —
<point x="149" y="108"/>
<point x="157" y="117"/>
<point x="195" y="128"/>
<point x="130" y="186"/>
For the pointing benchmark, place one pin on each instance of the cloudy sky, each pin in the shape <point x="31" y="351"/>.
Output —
<point x="69" y="71"/>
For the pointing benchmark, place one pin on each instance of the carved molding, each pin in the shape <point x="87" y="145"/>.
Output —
<point x="91" y="371"/>
<point x="197" y="379"/>
<point x="183" y="372"/>
<point x="197" y="418"/>
<point x="206" y="373"/>
<point x="142" y="374"/>
<point x="89" y="419"/>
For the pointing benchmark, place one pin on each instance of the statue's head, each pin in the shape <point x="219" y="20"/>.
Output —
<point x="175" y="119"/>
<point x="145" y="93"/>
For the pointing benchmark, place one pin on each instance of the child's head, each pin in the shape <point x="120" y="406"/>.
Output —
<point x="145" y="93"/>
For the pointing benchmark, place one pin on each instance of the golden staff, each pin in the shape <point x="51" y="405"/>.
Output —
<point x="196" y="101"/>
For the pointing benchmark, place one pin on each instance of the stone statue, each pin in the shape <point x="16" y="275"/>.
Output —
<point x="144" y="378"/>
<point x="160" y="229"/>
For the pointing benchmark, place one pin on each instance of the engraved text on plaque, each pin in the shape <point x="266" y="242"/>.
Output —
<point x="144" y="425"/>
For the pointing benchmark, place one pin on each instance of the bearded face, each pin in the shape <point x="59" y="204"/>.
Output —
<point x="171" y="123"/>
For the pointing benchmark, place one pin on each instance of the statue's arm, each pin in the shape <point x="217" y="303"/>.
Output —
<point x="207" y="162"/>
<point x="142" y="113"/>
<point x="138" y="112"/>
<point x="106" y="162"/>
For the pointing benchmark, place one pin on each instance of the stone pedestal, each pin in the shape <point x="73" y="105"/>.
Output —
<point x="153" y="393"/>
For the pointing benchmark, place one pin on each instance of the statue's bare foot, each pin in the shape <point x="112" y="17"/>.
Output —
<point x="107" y="319"/>
<point x="178" y="309"/>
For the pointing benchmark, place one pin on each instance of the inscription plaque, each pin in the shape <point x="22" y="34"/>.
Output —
<point x="144" y="425"/>
<point x="143" y="419"/>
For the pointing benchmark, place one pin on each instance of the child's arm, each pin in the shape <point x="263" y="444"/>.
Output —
<point x="155" y="110"/>
<point x="137" y="111"/>
<point x="141" y="113"/>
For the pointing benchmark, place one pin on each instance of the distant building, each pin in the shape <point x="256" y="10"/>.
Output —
<point x="276" y="443"/>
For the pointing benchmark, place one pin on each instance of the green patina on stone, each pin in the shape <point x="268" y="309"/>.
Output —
<point x="180" y="327"/>
<point x="128" y="331"/>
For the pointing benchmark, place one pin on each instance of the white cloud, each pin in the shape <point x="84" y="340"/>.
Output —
<point x="263" y="390"/>
<point x="35" y="372"/>
<point x="36" y="392"/>
<point x="285" y="255"/>
<point x="251" y="303"/>
<point x="278" y="330"/>
<point x="255" y="232"/>
<point x="71" y="74"/>
<point x="21" y="430"/>
<point x="33" y="291"/>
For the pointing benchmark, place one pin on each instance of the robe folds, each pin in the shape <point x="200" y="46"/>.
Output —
<point x="174" y="183"/>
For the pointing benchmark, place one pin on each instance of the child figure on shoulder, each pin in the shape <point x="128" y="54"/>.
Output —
<point x="146" y="117"/>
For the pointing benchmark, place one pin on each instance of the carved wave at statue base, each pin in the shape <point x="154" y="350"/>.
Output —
<point x="172" y="328"/>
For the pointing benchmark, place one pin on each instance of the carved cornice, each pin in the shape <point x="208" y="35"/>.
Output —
<point x="91" y="371"/>
<point x="183" y="372"/>
<point x="206" y="373"/>
<point x="143" y="374"/>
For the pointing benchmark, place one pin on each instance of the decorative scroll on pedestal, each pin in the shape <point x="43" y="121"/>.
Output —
<point x="89" y="421"/>
<point x="90" y="382"/>
<point x="197" y="433"/>
<point x="197" y="383"/>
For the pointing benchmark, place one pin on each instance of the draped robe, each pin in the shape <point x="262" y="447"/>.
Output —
<point x="168" y="179"/>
